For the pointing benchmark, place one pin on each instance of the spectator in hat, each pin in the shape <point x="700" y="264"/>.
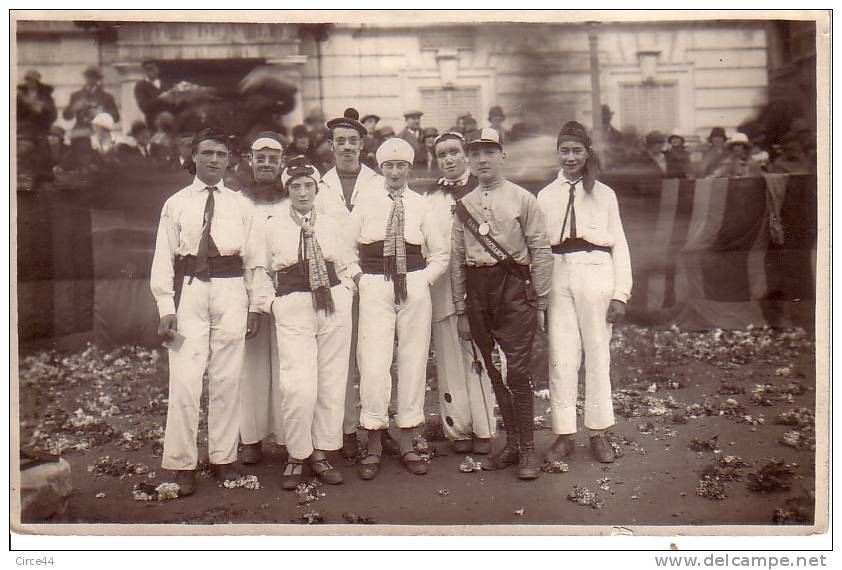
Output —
<point x="496" y="116"/>
<point x="148" y="90"/>
<point x="57" y="147"/>
<point x="102" y="139"/>
<point x="677" y="157"/>
<point x="321" y="154"/>
<point x="715" y="153"/>
<point x="164" y="144"/>
<point x="300" y="141"/>
<point x="370" y="123"/>
<point x="793" y="158"/>
<point x="314" y="119"/>
<point x="739" y="163"/>
<point x="428" y="140"/>
<point x="36" y="109"/>
<point x="370" y="141"/>
<point x="610" y="135"/>
<point x="385" y="133"/>
<point x="652" y="162"/>
<point x="412" y="134"/>
<point x="89" y="101"/>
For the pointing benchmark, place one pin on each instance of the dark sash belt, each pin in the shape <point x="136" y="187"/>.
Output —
<point x="578" y="244"/>
<point x="371" y="258"/>
<point x="218" y="266"/>
<point x="296" y="278"/>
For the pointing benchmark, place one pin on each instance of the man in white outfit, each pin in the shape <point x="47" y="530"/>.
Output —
<point x="260" y="415"/>
<point x="340" y="189"/>
<point x="197" y="282"/>
<point x="591" y="284"/>
<point x="401" y="253"/>
<point x="466" y="398"/>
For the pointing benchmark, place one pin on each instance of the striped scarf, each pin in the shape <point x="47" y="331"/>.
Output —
<point x="394" y="247"/>
<point x="310" y="252"/>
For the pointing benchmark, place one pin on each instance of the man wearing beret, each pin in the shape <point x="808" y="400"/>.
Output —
<point x="401" y="253"/>
<point x="261" y="414"/>
<point x="197" y="281"/>
<point x="88" y="101"/>
<point x="340" y="189"/>
<point x="412" y="134"/>
<point x="501" y="270"/>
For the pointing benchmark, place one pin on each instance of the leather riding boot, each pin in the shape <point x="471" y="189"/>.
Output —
<point x="528" y="466"/>
<point x="510" y="453"/>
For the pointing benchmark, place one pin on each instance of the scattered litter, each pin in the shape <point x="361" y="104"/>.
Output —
<point x="727" y="468"/>
<point x="796" y="510"/>
<point x="100" y="495"/>
<point x="618" y="443"/>
<point x="470" y="465"/>
<point x="727" y="389"/>
<point x="144" y="491"/>
<point x="309" y="492"/>
<point x="353" y="518"/>
<point x="701" y="445"/>
<point x="604" y="483"/>
<point x="804" y="438"/>
<point x="543" y="394"/>
<point x="769" y="394"/>
<point x="540" y="422"/>
<point x="443" y="492"/>
<point x="310" y="517"/>
<point x="250" y="482"/>
<point x="797" y="417"/>
<point x="585" y="497"/>
<point x="555" y="467"/>
<point x="519" y="512"/>
<point x="119" y="467"/>
<point x="647" y="428"/>
<point x="773" y="477"/>
<point x="711" y="489"/>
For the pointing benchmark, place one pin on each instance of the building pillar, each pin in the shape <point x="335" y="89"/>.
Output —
<point x="130" y="74"/>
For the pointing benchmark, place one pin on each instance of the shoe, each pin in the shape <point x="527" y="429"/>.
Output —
<point x="251" y="453"/>
<point x="225" y="472"/>
<point x="186" y="481"/>
<point x="481" y="445"/>
<point x="326" y="473"/>
<point x="368" y="471"/>
<point x="350" y="446"/>
<point x="507" y="456"/>
<point x="463" y="445"/>
<point x="564" y="446"/>
<point x="601" y="449"/>
<point x="293" y="473"/>
<point x="528" y="467"/>
<point x="390" y="446"/>
<point x="414" y="466"/>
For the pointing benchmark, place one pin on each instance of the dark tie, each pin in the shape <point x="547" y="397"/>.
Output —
<point x="572" y="211"/>
<point x="206" y="246"/>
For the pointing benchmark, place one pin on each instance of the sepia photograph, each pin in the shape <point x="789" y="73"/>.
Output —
<point x="407" y="272"/>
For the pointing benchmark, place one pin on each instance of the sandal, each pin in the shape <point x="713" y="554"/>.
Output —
<point x="369" y="470"/>
<point x="326" y="473"/>
<point x="293" y="472"/>
<point x="414" y="466"/>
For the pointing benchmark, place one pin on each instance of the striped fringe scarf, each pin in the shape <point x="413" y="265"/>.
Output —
<point x="310" y="252"/>
<point x="394" y="247"/>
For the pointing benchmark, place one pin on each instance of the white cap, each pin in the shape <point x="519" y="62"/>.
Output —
<point x="103" y="120"/>
<point x="266" y="142"/>
<point x="485" y="136"/>
<point x="395" y="149"/>
<point x="739" y="138"/>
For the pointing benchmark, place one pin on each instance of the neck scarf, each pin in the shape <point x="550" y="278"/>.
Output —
<point x="310" y="255"/>
<point x="394" y="247"/>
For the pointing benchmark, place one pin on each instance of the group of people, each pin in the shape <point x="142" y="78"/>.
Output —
<point x="287" y="285"/>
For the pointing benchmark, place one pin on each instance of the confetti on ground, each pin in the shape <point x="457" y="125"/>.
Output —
<point x="727" y="389"/>
<point x="443" y="492"/>
<point x="309" y="492"/>
<point x="163" y="492"/>
<point x="769" y="394"/>
<point x="555" y="467"/>
<point x="470" y="465"/>
<point x="100" y="495"/>
<point x="604" y="483"/>
<point x="119" y="467"/>
<point x="701" y="445"/>
<point x="797" y="417"/>
<point x="711" y="489"/>
<point x="353" y="518"/>
<point x="773" y="477"/>
<point x="727" y="468"/>
<point x="804" y="438"/>
<point x="519" y="512"/>
<point x="250" y="482"/>
<point x="585" y="497"/>
<point x="543" y="394"/>
<point x="310" y="517"/>
<point x="796" y="510"/>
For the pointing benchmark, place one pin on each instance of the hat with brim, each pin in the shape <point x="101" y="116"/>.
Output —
<point x="394" y="149"/>
<point x="496" y="111"/>
<point x="103" y="120"/>
<point x="367" y="117"/>
<point x="349" y="120"/>
<point x="429" y="132"/>
<point x="412" y="113"/>
<point x="92" y="71"/>
<point x="655" y="137"/>
<point x="484" y="137"/>
<point x="386" y="131"/>
<point x="267" y="140"/>
<point x="737" y="139"/>
<point x="32" y="74"/>
<point x="717" y="132"/>
<point x="137" y="126"/>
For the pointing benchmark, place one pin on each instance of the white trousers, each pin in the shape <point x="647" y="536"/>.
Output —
<point x="466" y="399"/>
<point x="212" y="317"/>
<point x="381" y="322"/>
<point x="260" y="410"/>
<point x="583" y="283"/>
<point x="313" y="350"/>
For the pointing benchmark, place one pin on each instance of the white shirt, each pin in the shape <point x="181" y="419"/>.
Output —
<point x="597" y="221"/>
<point x="370" y="217"/>
<point x="277" y="248"/>
<point x="331" y="200"/>
<point x="180" y="230"/>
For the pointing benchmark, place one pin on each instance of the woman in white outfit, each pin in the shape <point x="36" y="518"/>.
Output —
<point x="591" y="285"/>
<point x="310" y="299"/>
